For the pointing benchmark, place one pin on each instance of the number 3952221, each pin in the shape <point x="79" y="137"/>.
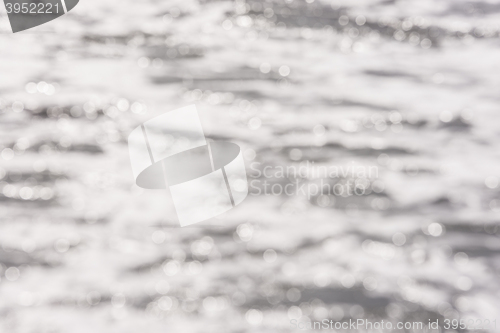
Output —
<point x="33" y="8"/>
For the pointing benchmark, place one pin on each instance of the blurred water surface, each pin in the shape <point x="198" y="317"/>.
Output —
<point x="410" y="87"/>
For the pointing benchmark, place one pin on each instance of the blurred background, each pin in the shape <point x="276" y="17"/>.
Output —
<point x="409" y="87"/>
